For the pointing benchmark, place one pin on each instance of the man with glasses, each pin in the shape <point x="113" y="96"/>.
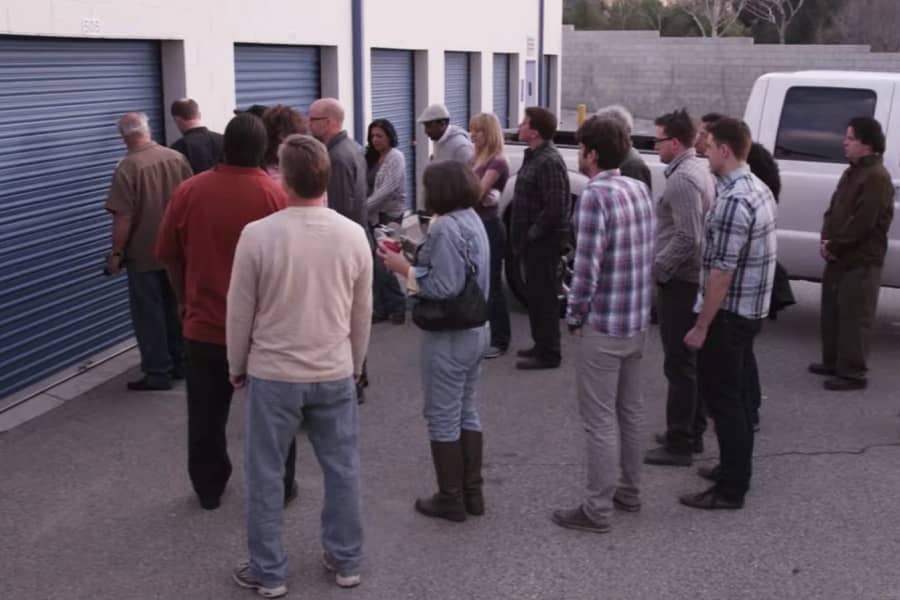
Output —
<point x="347" y="184"/>
<point x="689" y="194"/>
<point x="854" y="243"/>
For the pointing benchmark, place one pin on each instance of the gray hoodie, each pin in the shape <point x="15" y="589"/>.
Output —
<point x="454" y="145"/>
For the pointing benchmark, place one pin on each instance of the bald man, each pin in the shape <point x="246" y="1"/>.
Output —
<point x="141" y="186"/>
<point x="347" y="184"/>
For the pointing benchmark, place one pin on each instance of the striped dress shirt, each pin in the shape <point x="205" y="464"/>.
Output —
<point x="689" y="194"/>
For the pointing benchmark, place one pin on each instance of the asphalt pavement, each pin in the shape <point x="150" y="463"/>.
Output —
<point x="95" y="502"/>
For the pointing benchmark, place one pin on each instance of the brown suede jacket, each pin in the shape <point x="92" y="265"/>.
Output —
<point x="857" y="221"/>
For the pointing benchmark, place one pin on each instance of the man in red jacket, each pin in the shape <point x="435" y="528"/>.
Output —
<point x="197" y="240"/>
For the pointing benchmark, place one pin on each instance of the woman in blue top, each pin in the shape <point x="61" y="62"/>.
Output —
<point x="451" y="360"/>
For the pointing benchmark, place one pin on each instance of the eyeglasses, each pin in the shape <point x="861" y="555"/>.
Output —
<point x="318" y="118"/>
<point x="661" y="140"/>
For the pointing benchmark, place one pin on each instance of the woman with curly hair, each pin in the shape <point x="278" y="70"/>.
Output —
<point x="280" y="121"/>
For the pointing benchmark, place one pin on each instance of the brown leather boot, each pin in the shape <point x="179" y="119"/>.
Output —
<point x="472" y="444"/>
<point x="447" y="503"/>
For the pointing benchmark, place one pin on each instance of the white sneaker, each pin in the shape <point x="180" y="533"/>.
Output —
<point x="344" y="581"/>
<point x="494" y="352"/>
<point x="245" y="579"/>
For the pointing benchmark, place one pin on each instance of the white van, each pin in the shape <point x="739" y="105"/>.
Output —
<point x="802" y="119"/>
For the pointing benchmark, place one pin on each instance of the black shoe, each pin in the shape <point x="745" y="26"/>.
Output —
<point x="621" y="504"/>
<point x="711" y="499"/>
<point x="576" y="519"/>
<point x="821" y="369"/>
<point x="210" y="503"/>
<point x="398" y="318"/>
<point x="143" y="385"/>
<point x="376" y="319"/>
<point x="845" y="384"/>
<point x="713" y="473"/>
<point x="527" y="352"/>
<point x="665" y="457"/>
<point x="696" y="445"/>
<point x="292" y="493"/>
<point x="534" y="364"/>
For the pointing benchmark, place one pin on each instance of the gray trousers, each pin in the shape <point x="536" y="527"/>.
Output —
<point x="608" y="381"/>
<point x="849" y="303"/>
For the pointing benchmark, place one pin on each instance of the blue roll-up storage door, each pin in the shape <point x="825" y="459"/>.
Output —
<point x="393" y="98"/>
<point x="270" y="74"/>
<point x="59" y="102"/>
<point x="457" y="88"/>
<point x="501" y="88"/>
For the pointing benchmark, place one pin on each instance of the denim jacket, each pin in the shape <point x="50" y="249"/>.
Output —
<point x="441" y="260"/>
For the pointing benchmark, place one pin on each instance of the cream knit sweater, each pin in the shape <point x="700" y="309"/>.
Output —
<point x="300" y="298"/>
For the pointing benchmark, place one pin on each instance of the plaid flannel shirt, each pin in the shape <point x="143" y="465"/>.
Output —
<point x="614" y="247"/>
<point x="740" y="238"/>
<point x="541" y="199"/>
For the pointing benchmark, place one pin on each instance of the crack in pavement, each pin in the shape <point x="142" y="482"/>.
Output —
<point x="858" y="452"/>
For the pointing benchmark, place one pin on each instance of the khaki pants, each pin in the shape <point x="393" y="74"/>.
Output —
<point x="609" y="400"/>
<point x="849" y="302"/>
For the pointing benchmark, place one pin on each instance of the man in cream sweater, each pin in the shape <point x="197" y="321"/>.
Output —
<point x="299" y="315"/>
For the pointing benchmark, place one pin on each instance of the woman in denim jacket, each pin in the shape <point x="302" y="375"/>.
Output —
<point x="451" y="360"/>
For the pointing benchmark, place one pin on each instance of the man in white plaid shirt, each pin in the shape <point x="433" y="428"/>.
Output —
<point x="738" y="268"/>
<point x="609" y="312"/>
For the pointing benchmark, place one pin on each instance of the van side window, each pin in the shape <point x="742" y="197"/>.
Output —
<point x="814" y="122"/>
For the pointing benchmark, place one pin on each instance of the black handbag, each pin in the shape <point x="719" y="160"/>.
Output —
<point x="782" y="294"/>
<point x="465" y="311"/>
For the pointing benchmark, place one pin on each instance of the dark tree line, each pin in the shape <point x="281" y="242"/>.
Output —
<point x="872" y="22"/>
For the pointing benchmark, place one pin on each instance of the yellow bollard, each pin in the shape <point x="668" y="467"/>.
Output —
<point x="581" y="111"/>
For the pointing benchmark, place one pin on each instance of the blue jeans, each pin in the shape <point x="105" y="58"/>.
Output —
<point x="451" y="364"/>
<point x="275" y="412"/>
<point x="154" y="316"/>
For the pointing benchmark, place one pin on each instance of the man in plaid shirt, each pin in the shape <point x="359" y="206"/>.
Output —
<point x="738" y="268"/>
<point x="609" y="312"/>
<point x="539" y="228"/>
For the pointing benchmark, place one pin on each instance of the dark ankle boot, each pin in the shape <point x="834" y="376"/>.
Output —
<point x="472" y="444"/>
<point x="447" y="503"/>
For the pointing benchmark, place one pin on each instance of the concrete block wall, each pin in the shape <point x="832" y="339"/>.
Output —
<point x="652" y="75"/>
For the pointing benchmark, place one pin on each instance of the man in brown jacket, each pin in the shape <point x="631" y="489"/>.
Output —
<point x="854" y="243"/>
<point x="137" y="199"/>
